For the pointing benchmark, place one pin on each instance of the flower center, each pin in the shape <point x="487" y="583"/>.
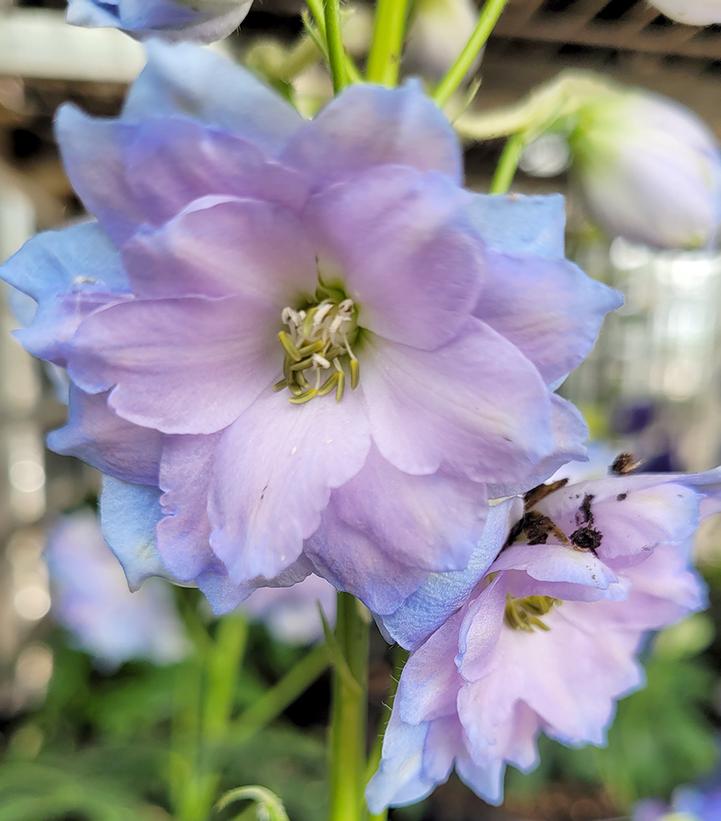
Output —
<point x="525" y="614"/>
<point x="317" y="342"/>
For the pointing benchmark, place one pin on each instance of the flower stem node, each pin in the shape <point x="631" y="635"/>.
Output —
<point x="317" y="347"/>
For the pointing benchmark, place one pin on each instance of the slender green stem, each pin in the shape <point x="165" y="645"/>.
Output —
<point x="389" y="30"/>
<point x="487" y="20"/>
<point x="222" y="675"/>
<point x="204" y="727"/>
<point x="308" y="670"/>
<point x="349" y="714"/>
<point x="319" y="37"/>
<point x="508" y="163"/>
<point x="334" y="40"/>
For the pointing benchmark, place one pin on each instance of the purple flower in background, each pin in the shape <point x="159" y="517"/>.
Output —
<point x="693" y="12"/>
<point x="291" y="614"/>
<point x="301" y="346"/>
<point x="649" y="170"/>
<point x="91" y="599"/>
<point x="202" y="20"/>
<point x="548" y="639"/>
<point x="702" y="803"/>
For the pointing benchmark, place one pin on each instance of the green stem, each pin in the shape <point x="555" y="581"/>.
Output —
<point x="336" y="49"/>
<point x="349" y="714"/>
<point x="389" y="30"/>
<point x="308" y="670"/>
<point x="508" y="164"/>
<point x="216" y="669"/>
<point x="319" y="37"/>
<point x="487" y="20"/>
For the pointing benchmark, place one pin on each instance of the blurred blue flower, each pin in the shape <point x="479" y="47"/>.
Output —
<point x="276" y="402"/>
<point x="291" y="614"/>
<point x="649" y="170"/>
<point x="547" y="639"/>
<point x="90" y="599"/>
<point x="693" y="12"/>
<point x="201" y="20"/>
<point x="687" y="804"/>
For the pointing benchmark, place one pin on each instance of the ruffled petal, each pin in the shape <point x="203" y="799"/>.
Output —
<point x="95" y="434"/>
<point x="398" y="242"/>
<point x="69" y="273"/>
<point x="219" y="248"/>
<point x="179" y="365"/>
<point x="184" y="80"/>
<point x="384" y="526"/>
<point x="368" y="126"/>
<point x="548" y="308"/>
<point x="515" y="224"/>
<point x="443" y="593"/>
<point x="129" y="174"/>
<point x="184" y="531"/>
<point x="129" y="514"/>
<point x="274" y="472"/>
<point x="634" y="513"/>
<point x="476" y="406"/>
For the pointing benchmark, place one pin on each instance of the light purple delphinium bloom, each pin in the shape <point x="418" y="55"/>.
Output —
<point x="549" y="638"/>
<point x="90" y="599"/>
<point x="291" y="613"/>
<point x="301" y="346"/>
<point x="201" y="20"/>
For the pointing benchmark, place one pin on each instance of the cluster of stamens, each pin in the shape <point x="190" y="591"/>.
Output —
<point x="317" y="347"/>
<point x="525" y="614"/>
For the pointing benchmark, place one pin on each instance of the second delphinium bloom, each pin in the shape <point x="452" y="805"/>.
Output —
<point x="547" y="640"/>
<point x="301" y="346"/>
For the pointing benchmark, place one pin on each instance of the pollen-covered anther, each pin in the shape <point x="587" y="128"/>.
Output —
<point x="525" y="613"/>
<point x="317" y="350"/>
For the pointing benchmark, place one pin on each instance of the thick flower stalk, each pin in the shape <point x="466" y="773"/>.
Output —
<point x="301" y="346"/>
<point x="648" y="169"/>
<point x="548" y="638"/>
<point x="201" y="20"/>
<point x="90" y="599"/>
<point x="692" y="12"/>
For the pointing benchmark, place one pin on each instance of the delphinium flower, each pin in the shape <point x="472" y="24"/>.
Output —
<point x="649" y="169"/>
<point x="693" y="12"/>
<point x="90" y="599"/>
<point x="291" y="614"/>
<point x="301" y="346"/>
<point x="201" y="20"/>
<point x="548" y="639"/>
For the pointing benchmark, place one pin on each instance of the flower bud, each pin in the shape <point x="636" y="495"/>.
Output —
<point x="649" y="170"/>
<point x="692" y="12"/>
<point x="437" y="35"/>
<point x="202" y="20"/>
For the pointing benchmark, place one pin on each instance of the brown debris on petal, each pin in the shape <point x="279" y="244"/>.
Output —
<point x="538" y="493"/>
<point x="624" y="464"/>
